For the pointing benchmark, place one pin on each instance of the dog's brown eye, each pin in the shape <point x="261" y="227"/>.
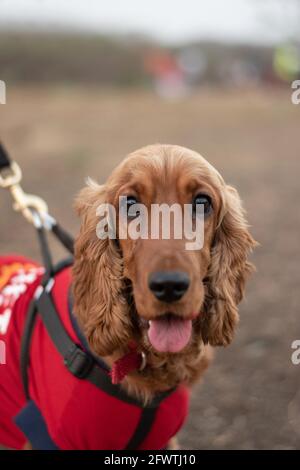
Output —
<point x="130" y="201"/>
<point x="205" y="200"/>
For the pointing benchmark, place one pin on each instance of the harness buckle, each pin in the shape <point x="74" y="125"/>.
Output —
<point x="13" y="177"/>
<point x="27" y="204"/>
<point x="78" y="362"/>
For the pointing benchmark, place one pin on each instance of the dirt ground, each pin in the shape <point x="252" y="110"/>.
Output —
<point x="250" y="397"/>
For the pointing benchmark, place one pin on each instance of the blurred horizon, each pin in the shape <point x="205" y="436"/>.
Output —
<point x="42" y="57"/>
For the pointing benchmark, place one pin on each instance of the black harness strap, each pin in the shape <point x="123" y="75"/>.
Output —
<point x="25" y="346"/>
<point x="28" y="330"/>
<point x="143" y="428"/>
<point x="63" y="237"/>
<point x="4" y="158"/>
<point x="81" y="364"/>
<point x="47" y="258"/>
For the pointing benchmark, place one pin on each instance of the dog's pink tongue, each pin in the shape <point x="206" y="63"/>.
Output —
<point x="169" y="335"/>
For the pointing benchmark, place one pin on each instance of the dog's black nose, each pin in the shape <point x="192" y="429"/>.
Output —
<point x="169" y="286"/>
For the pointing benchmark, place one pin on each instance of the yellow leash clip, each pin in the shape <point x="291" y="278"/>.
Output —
<point x="27" y="204"/>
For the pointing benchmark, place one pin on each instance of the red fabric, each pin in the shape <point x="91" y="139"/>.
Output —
<point x="131" y="361"/>
<point x="78" y="414"/>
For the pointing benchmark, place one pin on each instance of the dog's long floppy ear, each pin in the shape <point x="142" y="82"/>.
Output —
<point x="98" y="284"/>
<point x="228" y="272"/>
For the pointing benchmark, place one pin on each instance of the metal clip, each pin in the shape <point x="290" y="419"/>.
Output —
<point x="27" y="204"/>
<point x="143" y="362"/>
<point x="14" y="177"/>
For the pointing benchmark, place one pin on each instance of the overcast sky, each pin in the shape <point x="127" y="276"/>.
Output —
<point x="167" y="20"/>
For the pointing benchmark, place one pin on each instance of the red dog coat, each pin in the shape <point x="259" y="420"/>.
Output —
<point x="64" y="412"/>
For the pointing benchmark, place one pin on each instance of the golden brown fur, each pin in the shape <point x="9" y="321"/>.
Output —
<point x="110" y="279"/>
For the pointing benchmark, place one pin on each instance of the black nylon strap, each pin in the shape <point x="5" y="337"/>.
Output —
<point x="52" y="322"/>
<point x="28" y="330"/>
<point x="77" y="361"/>
<point x="45" y="251"/>
<point x="143" y="428"/>
<point x="81" y="364"/>
<point x="63" y="343"/>
<point x="4" y="158"/>
<point x="63" y="237"/>
<point x="25" y="346"/>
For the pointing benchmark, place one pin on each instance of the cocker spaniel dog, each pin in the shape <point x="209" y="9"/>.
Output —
<point x="145" y="298"/>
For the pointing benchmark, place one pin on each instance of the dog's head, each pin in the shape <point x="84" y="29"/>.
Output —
<point x="152" y="289"/>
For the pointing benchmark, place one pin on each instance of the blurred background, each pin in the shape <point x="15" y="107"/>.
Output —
<point x="88" y="82"/>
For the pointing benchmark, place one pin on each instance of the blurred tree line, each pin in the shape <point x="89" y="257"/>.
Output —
<point x="120" y="61"/>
